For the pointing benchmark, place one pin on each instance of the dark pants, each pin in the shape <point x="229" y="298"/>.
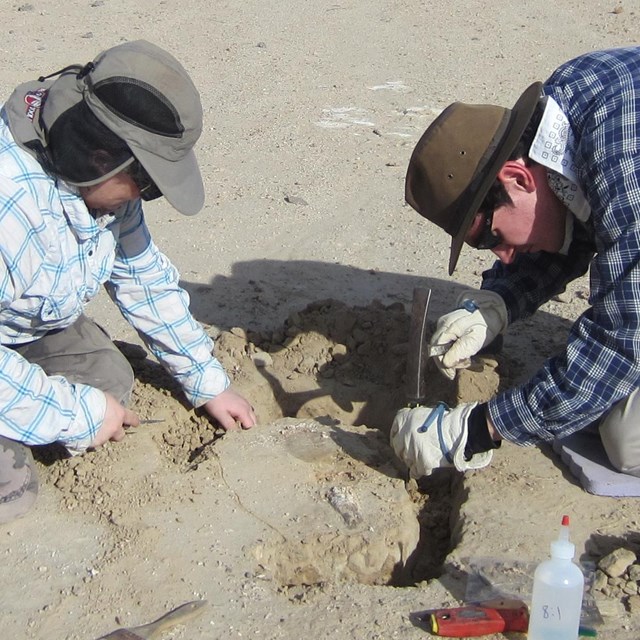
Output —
<point x="81" y="353"/>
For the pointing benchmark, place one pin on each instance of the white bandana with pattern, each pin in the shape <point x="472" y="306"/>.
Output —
<point x="553" y="148"/>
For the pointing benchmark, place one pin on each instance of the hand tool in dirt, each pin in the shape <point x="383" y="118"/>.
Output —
<point x="417" y="356"/>
<point x="475" y="620"/>
<point x="131" y="429"/>
<point x="152" y="630"/>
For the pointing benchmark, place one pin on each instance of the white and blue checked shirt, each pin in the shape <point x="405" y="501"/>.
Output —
<point x="54" y="257"/>
<point x="600" y="95"/>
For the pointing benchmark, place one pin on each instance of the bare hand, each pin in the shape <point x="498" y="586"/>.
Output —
<point x="230" y="408"/>
<point x="115" y="417"/>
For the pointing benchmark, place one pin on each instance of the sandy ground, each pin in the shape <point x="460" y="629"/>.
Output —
<point x="303" y="263"/>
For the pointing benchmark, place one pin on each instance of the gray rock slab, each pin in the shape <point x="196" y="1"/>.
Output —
<point x="332" y="503"/>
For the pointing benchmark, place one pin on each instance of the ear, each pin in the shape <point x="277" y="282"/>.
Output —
<point x="516" y="174"/>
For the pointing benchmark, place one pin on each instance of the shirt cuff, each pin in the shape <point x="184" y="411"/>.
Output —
<point x="91" y="405"/>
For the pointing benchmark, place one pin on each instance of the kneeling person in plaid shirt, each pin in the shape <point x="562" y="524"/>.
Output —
<point x="552" y="187"/>
<point x="78" y="154"/>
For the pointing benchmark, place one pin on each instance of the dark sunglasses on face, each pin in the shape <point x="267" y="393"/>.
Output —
<point x="487" y="238"/>
<point x="146" y="186"/>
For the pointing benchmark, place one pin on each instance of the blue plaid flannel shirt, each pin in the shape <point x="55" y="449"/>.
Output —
<point x="600" y="94"/>
<point x="55" y="257"/>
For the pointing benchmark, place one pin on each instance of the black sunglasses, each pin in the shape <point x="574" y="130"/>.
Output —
<point x="487" y="238"/>
<point x="146" y="186"/>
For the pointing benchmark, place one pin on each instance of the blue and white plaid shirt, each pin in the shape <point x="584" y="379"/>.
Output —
<point x="600" y="95"/>
<point x="54" y="257"/>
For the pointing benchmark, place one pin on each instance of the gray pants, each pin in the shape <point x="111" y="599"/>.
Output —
<point x="81" y="353"/>
<point x="620" y="434"/>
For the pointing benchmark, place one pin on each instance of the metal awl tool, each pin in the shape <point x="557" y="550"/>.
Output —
<point x="417" y="356"/>
<point x="128" y="428"/>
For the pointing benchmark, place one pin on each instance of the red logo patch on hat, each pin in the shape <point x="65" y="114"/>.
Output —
<point x="34" y="100"/>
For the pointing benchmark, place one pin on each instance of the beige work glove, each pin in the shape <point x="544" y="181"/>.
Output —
<point x="428" y="438"/>
<point x="480" y="317"/>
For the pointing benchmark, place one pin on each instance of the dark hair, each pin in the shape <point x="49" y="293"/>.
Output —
<point x="497" y="195"/>
<point x="82" y="149"/>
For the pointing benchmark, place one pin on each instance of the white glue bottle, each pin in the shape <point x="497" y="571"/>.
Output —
<point x="558" y="585"/>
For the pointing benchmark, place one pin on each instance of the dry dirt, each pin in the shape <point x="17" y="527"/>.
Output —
<point x="302" y="265"/>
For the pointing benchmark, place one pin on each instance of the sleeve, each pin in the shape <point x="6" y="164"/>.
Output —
<point x="145" y="286"/>
<point x="35" y="408"/>
<point x="40" y="409"/>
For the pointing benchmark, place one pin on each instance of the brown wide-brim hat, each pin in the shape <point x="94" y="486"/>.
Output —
<point x="458" y="158"/>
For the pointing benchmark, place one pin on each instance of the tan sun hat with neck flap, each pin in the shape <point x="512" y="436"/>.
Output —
<point x="458" y="158"/>
<point x="142" y="95"/>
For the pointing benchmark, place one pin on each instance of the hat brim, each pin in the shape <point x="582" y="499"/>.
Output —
<point x="180" y="181"/>
<point x="519" y="119"/>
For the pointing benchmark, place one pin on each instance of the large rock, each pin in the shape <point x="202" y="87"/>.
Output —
<point x="616" y="563"/>
<point x="331" y="500"/>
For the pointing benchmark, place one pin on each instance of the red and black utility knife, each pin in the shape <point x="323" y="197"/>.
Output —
<point x="475" y="620"/>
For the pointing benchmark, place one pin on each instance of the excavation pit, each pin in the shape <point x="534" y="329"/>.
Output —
<point x="318" y="471"/>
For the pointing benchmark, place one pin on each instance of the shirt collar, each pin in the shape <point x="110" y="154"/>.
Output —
<point x="84" y="223"/>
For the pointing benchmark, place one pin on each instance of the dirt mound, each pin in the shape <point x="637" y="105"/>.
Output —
<point x="336" y="366"/>
<point x="332" y="362"/>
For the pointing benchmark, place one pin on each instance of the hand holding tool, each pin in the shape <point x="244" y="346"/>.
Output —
<point x="425" y="438"/>
<point x="480" y="317"/>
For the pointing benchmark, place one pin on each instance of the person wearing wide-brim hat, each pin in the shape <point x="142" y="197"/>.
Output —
<point x="79" y="151"/>
<point x="552" y="187"/>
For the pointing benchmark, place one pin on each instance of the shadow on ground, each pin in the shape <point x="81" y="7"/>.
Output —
<point x="278" y="305"/>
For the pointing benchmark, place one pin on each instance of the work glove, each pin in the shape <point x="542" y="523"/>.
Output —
<point x="481" y="315"/>
<point x="428" y="438"/>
